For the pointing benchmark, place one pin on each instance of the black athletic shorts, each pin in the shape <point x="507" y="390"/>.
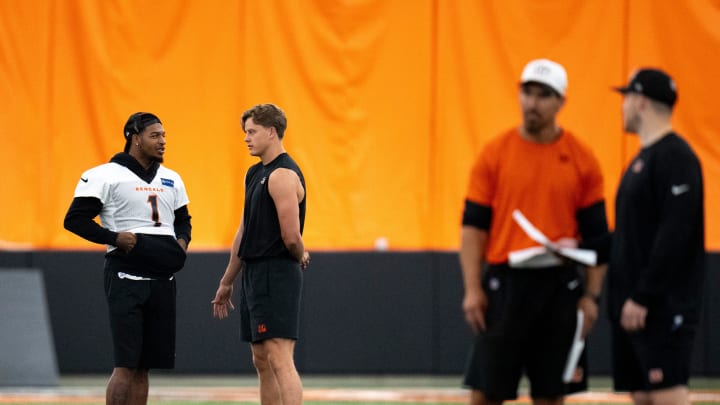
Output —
<point x="655" y="358"/>
<point x="142" y="320"/>
<point x="531" y="321"/>
<point x="270" y="299"/>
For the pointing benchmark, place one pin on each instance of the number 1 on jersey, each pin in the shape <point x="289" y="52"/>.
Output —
<point x="153" y="200"/>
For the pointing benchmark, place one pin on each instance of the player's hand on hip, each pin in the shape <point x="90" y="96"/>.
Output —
<point x="126" y="241"/>
<point x="633" y="316"/>
<point x="222" y="301"/>
<point x="474" y="306"/>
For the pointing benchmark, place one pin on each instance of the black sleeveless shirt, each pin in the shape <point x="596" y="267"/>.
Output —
<point x="261" y="228"/>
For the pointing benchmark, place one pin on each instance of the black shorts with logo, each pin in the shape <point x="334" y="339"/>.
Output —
<point x="142" y="320"/>
<point x="531" y="321"/>
<point x="655" y="358"/>
<point x="270" y="299"/>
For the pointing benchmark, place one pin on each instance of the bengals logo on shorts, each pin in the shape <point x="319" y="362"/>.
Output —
<point x="578" y="375"/>
<point x="262" y="328"/>
<point x="655" y="375"/>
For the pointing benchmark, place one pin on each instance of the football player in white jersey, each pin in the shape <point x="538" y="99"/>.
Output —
<point x="145" y="224"/>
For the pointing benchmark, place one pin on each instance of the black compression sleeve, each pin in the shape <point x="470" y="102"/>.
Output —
<point x="592" y="222"/>
<point x="477" y="215"/>
<point x="183" y="228"/>
<point x="80" y="221"/>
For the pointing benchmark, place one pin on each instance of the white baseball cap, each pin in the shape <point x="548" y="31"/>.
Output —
<point x="547" y="72"/>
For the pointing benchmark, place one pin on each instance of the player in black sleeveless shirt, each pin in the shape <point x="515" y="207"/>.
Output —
<point x="260" y="217"/>
<point x="269" y="253"/>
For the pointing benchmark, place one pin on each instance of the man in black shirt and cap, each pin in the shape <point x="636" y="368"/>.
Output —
<point x="656" y="268"/>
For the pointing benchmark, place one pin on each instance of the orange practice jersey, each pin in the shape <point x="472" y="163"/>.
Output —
<point x="549" y="183"/>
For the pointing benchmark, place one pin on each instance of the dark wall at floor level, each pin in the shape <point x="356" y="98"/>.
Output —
<point x="363" y="312"/>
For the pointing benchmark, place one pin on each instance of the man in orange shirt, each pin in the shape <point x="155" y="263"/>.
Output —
<point x="525" y="315"/>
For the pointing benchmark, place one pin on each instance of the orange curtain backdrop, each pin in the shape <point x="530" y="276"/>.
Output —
<point x="388" y="101"/>
<point x="73" y="71"/>
<point x="684" y="38"/>
<point x="352" y="77"/>
<point x="481" y="50"/>
<point x="24" y="73"/>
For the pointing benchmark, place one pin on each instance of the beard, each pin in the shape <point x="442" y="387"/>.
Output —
<point x="533" y="122"/>
<point x="155" y="158"/>
<point x="632" y="124"/>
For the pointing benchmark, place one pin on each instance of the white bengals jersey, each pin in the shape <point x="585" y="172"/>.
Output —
<point x="129" y="203"/>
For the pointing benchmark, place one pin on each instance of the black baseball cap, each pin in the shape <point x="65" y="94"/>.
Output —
<point x="652" y="83"/>
<point x="137" y="122"/>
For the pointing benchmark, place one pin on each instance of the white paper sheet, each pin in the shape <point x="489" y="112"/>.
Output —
<point x="584" y="256"/>
<point x="575" y="350"/>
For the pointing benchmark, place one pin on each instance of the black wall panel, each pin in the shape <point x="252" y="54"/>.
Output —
<point x="367" y="313"/>
<point x="363" y="312"/>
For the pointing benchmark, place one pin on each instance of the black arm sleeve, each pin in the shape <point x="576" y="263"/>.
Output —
<point x="592" y="222"/>
<point x="80" y="221"/>
<point x="183" y="228"/>
<point x="479" y="216"/>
